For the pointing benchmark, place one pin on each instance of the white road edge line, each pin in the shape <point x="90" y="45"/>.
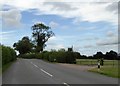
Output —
<point x="65" y="84"/>
<point x="46" y="72"/>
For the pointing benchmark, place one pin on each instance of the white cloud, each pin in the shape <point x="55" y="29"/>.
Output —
<point x="60" y="6"/>
<point x="38" y="21"/>
<point x="53" y="24"/>
<point x="107" y="41"/>
<point x="54" y="43"/>
<point x="95" y="12"/>
<point x="56" y="47"/>
<point x="110" y="34"/>
<point x="111" y="39"/>
<point x="11" y="18"/>
<point x="5" y="36"/>
<point x="58" y="42"/>
<point x="55" y="38"/>
<point x="82" y="0"/>
<point x="91" y="12"/>
<point x="7" y="32"/>
<point x="88" y="46"/>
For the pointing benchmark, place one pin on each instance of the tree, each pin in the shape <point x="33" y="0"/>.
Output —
<point x="70" y="49"/>
<point x="41" y="33"/>
<point x="24" y="45"/>
<point x="99" y="55"/>
<point x="111" y="55"/>
<point x="61" y="50"/>
<point x="77" y="55"/>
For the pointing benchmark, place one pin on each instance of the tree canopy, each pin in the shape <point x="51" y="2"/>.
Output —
<point x="41" y="33"/>
<point x="24" y="45"/>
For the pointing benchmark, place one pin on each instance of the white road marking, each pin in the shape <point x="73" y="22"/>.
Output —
<point x="35" y="65"/>
<point x="46" y="72"/>
<point x="31" y="62"/>
<point x="65" y="84"/>
<point x="42" y="70"/>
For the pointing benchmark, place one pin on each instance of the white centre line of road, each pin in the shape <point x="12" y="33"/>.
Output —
<point x="65" y="84"/>
<point x="31" y="62"/>
<point x="46" y="72"/>
<point x="42" y="70"/>
<point x="35" y="65"/>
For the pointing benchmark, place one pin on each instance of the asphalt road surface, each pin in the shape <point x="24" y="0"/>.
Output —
<point x="33" y="71"/>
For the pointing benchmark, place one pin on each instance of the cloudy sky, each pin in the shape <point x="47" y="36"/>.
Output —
<point x="87" y="26"/>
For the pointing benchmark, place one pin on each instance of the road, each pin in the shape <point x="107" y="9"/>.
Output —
<point x="33" y="71"/>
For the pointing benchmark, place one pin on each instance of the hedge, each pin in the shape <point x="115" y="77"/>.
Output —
<point x="53" y="56"/>
<point x="8" y="54"/>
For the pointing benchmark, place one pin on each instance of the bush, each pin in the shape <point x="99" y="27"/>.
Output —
<point x="45" y="55"/>
<point x="8" y="54"/>
<point x="31" y="56"/>
<point x="62" y="57"/>
<point x="54" y="56"/>
<point x="70" y="57"/>
<point x="28" y="56"/>
<point x="39" y="56"/>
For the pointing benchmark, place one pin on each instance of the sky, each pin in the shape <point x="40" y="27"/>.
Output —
<point x="88" y="26"/>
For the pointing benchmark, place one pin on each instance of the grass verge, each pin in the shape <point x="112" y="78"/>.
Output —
<point x="0" y="71"/>
<point x="111" y="71"/>
<point x="6" y="66"/>
<point x="94" y="62"/>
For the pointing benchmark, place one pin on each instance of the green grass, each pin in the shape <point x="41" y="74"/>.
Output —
<point x="94" y="62"/>
<point x="6" y="66"/>
<point x="110" y="67"/>
<point x="86" y="61"/>
<point x="0" y="71"/>
<point x="111" y="71"/>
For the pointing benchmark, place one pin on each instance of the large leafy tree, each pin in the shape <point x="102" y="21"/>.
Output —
<point x="41" y="33"/>
<point x="111" y="55"/>
<point x="99" y="55"/>
<point x="23" y="46"/>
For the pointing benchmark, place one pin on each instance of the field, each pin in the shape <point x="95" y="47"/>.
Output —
<point x="94" y="62"/>
<point x="110" y="67"/>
